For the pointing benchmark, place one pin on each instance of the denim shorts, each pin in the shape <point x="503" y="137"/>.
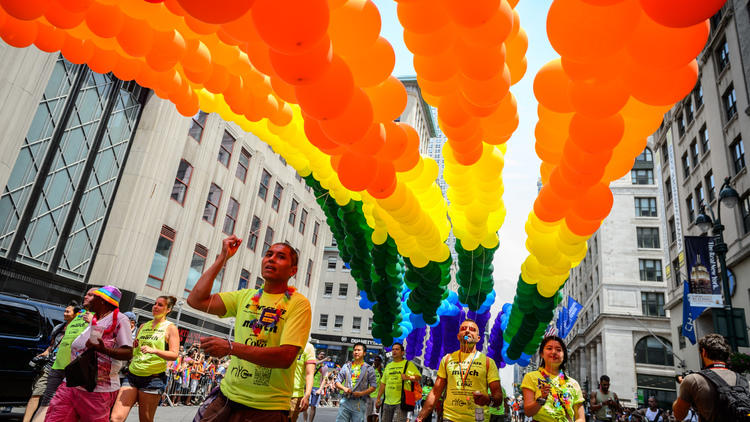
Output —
<point x="151" y="384"/>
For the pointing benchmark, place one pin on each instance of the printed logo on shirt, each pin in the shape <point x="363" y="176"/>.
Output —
<point x="240" y="372"/>
<point x="262" y="376"/>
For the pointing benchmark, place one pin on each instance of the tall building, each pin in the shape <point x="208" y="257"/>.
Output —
<point x="338" y="321"/>
<point x="105" y="183"/>
<point x="623" y="329"/>
<point x="700" y="143"/>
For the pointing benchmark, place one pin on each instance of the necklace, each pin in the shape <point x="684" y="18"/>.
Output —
<point x="463" y="375"/>
<point x="560" y="390"/>
<point x="268" y="319"/>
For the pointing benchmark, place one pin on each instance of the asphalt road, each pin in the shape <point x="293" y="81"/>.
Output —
<point x="186" y="414"/>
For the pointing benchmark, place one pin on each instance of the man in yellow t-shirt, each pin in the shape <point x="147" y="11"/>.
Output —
<point x="391" y="382"/>
<point x="303" y="382"/>
<point x="465" y="375"/>
<point x="272" y="325"/>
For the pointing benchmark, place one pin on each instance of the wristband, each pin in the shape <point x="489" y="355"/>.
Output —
<point x="230" y="347"/>
<point x="541" y="400"/>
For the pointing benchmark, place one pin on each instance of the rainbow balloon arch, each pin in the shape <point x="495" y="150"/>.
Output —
<point x="312" y="78"/>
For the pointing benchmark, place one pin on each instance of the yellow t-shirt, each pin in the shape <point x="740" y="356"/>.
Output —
<point x="305" y="356"/>
<point x="568" y="389"/>
<point x="465" y="373"/>
<point x="251" y="384"/>
<point x="392" y="380"/>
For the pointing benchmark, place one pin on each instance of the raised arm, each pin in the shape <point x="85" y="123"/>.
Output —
<point x="200" y="297"/>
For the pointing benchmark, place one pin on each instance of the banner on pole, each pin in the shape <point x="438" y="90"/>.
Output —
<point x="703" y="282"/>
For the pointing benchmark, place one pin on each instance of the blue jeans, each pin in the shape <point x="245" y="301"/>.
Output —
<point x="352" y="410"/>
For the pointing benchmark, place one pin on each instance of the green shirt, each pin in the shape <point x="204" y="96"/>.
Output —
<point x="465" y="373"/>
<point x="374" y="394"/>
<point x="392" y="379"/>
<point x="320" y="371"/>
<point x="145" y="364"/>
<point x="305" y="356"/>
<point x="496" y="410"/>
<point x="254" y="385"/>
<point x="75" y="327"/>
<point x="549" y="412"/>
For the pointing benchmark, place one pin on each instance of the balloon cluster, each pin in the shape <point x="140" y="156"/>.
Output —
<point x="428" y="289"/>
<point x="474" y="276"/>
<point x="496" y="342"/>
<point x="450" y="325"/>
<point x="434" y="348"/>
<point x="415" y="343"/>
<point x="387" y="284"/>
<point x="622" y="65"/>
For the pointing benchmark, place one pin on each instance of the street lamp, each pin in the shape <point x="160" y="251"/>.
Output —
<point x="730" y="198"/>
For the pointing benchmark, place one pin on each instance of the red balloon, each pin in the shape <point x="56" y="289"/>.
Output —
<point x="357" y="171"/>
<point x="49" y="39"/>
<point x="18" y="33"/>
<point x="581" y="227"/>
<point x="104" y="20"/>
<point x="329" y="96"/>
<point x="596" y="135"/>
<point x="216" y="12"/>
<point x="595" y="204"/>
<point x="681" y="13"/>
<point x="291" y="26"/>
<point x="470" y="157"/>
<point x="353" y="123"/>
<point x="395" y="142"/>
<point x="552" y="86"/>
<point x="25" y="10"/>
<point x="304" y="68"/>
<point x="385" y="181"/>
<point x="676" y="46"/>
<point x="316" y="137"/>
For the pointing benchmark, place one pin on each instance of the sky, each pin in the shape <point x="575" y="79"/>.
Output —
<point x="521" y="171"/>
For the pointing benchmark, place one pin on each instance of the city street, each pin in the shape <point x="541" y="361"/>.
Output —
<point x="186" y="414"/>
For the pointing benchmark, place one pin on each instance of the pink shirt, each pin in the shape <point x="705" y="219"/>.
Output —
<point x="108" y="379"/>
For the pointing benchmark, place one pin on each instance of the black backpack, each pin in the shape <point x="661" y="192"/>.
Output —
<point x="734" y="400"/>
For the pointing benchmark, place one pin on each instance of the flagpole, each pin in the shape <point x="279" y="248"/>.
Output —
<point x="666" y="346"/>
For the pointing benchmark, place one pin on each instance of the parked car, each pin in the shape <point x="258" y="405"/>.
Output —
<point x="25" y="329"/>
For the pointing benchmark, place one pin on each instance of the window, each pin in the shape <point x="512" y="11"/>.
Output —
<point x="668" y="188"/>
<point x="710" y="188"/>
<point x="265" y="180"/>
<point x="233" y="208"/>
<point x="212" y="203"/>
<point x="197" y="126"/>
<point x="648" y="237"/>
<point x="645" y="207"/>
<point x="268" y="240"/>
<point x="244" y="279"/>
<point x="20" y="320"/>
<point x="323" y="322"/>
<point x="293" y="212"/>
<point x="676" y="271"/>
<point x="737" y="151"/>
<point x="652" y="303"/>
<point x="369" y="323"/>
<point x="681" y="125"/>
<point x="686" y="165"/>
<point x="338" y="322"/>
<point x="722" y="56"/>
<point x="181" y="182"/>
<point x="316" y="229"/>
<point x="689" y="110"/>
<point x="356" y="324"/>
<point x="196" y="267"/>
<point x="699" y="198"/>
<point x="276" y="201"/>
<point x="308" y="276"/>
<point x="343" y="290"/>
<point x="664" y="153"/>
<point x="729" y="100"/>
<point x="359" y="293"/>
<point x="650" y="269"/>
<point x="690" y="208"/>
<point x="161" y="258"/>
<point x="252" y="238"/>
<point x="695" y="152"/>
<point x="332" y="263"/>
<point x="259" y="282"/>
<point x="705" y="144"/>
<point x="672" y="231"/>
<point x="745" y="209"/>
<point x="698" y="94"/>
<point x="328" y="289"/>
<point x="643" y="169"/>
<point x="302" y="221"/>
<point x="226" y="148"/>
<point x="651" y="351"/>
<point x="243" y="164"/>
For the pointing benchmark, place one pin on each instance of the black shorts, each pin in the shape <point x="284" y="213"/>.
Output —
<point x="151" y="384"/>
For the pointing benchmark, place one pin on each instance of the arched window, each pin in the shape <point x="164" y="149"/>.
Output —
<point x="643" y="169"/>
<point x="651" y="351"/>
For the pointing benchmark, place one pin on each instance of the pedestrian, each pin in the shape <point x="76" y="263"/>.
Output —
<point x="56" y="374"/>
<point x="604" y="403"/>
<point x="426" y="388"/>
<point x="271" y="327"/>
<point x="157" y="342"/>
<point x="356" y="380"/>
<point x="700" y="390"/>
<point x="304" y="374"/>
<point x="465" y="375"/>
<point x="47" y="358"/>
<point x="392" y="384"/>
<point x="495" y="414"/>
<point x="549" y="395"/>
<point x="318" y="392"/>
<point x="372" y="413"/>
<point x="652" y="413"/>
<point x="109" y="335"/>
<point x="133" y="323"/>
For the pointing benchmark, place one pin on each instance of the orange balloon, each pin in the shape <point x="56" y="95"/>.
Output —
<point x="470" y="157"/>
<point x="498" y="126"/>
<point x="62" y="17"/>
<point x="75" y="6"/>
<point x="681" y="13"/>
<point x="259" y="55"/>
<point x="421" y="16"/>
<point x="479" y="62"/>
<point x="517" y="46"/>
<point x="471" y="14"/>
<point x="372" y="65"/>
<point x="676" y="46"/>
<point x="236" y="99"/>
<point x="187" y="105"/>
<point x="226" y="38"/>
<point x="198" y="26"/>
<point x="77" y="51"/>
<point x="550" y="206"/>
<point x="18" y="33"/>
<point x="494" y="31"/>
<point x="436" y="68"/>
<point x="580" y="226"/>
<point x="164" y="81"/>
<point x="596" y="135"/>
<point x="385" y="181"/>
<point x="545" y="169"/>
<point x="410" y="157"/>
<point x="395" y="142"/>
<point x="283" y="116"/>
<point x="197" y="60"/>
<point x="25" y="10"/>
<point x="357" y="171"/>
<point x="284" y="90"/>
<point x="103" y="61"/>
<point x="304" y="68"/>
<point x="599" y="98"/>
<point x="168" y="48"/>
<point x="563" y="187"/>
<point x="388" y="99"/>
<point x="127" y="68"/>
<point x="557" y="122"/>
<point x="595" y="204"/>
<point x="291" y="26"/>
<point x="218" y="81"/>
<point x="49" y="39"/>
<point x="329" y="96"/>
<point x="372" y="142"/>
<point x="642" y="118"/>
<point x="465" y="146"/>
<point x="216" y="12"/>
<point x="354" y="26"/>
<point x="104" y="20"/>
<point x="582" y="177"/>
<point x="241" y="29"/>
<point x="316" y="137"/>
<point x="468" y="129"/>
<point x="661" y="88"/>
<point x="353" y="123"/>
<point x="477" y="110"/>
<point x="438" y="89"/>
<point x="486" y="93"/>
<point x="583" y="32"/>
<point x="604" y="68"/>
<point x="430" y="43"/>
<point x="451" y="112"/>
<point x="136" y="37"/>
<point x="548" y="153"/>
<point x="517" y="70"/>
<point x="551" y="87"/>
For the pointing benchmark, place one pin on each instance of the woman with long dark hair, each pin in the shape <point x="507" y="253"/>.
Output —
<point x="549" y="395"/>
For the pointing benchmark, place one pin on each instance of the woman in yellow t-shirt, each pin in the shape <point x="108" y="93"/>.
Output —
<point x="549" y="395"/>
<point x="156" y="343"/>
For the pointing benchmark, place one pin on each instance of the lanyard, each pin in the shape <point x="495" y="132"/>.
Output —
<point x="468" y="369"/>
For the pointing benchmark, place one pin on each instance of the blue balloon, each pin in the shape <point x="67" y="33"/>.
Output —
<point x="452" y="297"/>
<point x="507" y="307"/>
<point x="365" y="303"/>
<point x="417" y="321"/>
